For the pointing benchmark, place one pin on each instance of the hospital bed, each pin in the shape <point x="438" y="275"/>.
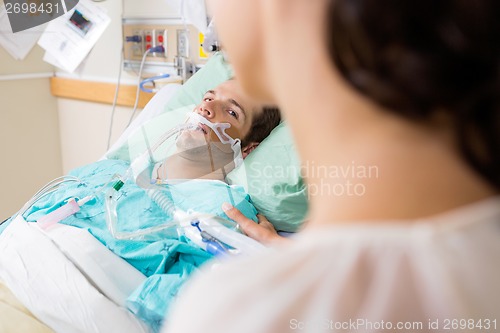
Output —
<point x="70" y="282"/>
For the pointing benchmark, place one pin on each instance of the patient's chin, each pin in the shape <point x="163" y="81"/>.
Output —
<point x="191" y="140"/>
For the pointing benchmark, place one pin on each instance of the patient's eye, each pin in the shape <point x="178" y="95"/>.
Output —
<point x="233" y="113"/>
<point x="209" y="96"/>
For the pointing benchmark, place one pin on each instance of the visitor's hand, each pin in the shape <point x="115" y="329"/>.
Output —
<point x="262" y="232"/>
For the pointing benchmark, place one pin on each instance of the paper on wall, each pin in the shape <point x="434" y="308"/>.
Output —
<point x="49" y="58"/>
<point x="18" y="45"/>
<point x="69" y="38"/>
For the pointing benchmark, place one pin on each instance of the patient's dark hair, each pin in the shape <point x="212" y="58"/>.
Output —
<point x="263" y="123"/>
<point x="415" y="57"/>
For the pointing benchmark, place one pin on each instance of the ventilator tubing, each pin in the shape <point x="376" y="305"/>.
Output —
<point x="136" y="172"/>
<point x="220" y="130"/>
<point x="190" y="223"/>
<point x="214" y="226"/>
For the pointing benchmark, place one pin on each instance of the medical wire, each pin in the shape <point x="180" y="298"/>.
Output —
<point x="138" y="90"/>
<point x="48" y="188"/>
<point x="152" y="79"/>
<point x="224" y="174"/>
<point x="117" y="89"/>
<point x="115" y="99"/>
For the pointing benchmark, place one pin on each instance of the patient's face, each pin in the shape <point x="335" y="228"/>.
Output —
<point x="199" y="153"/>
<point x="228" y="104"/>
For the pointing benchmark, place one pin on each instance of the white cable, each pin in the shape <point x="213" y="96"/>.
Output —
<point x="46" y="189"/>
<point x="117" y="89"/>
<point x="139" y="78"/>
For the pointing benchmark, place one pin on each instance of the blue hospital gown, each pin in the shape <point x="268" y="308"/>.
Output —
<point x="166" y="262"/>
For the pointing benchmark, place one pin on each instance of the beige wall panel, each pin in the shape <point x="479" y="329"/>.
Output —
<point x="30" y="153"/>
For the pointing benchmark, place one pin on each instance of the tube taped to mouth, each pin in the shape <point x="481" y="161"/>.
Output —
<point x="220" y="130"/>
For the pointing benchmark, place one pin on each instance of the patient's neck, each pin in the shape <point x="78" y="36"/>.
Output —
<point x="200" y="163"/>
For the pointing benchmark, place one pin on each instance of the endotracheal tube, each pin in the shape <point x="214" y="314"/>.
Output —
<point x="212" y="233"/>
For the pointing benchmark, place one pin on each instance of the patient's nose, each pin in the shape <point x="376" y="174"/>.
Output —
<point x="207" y="110"/>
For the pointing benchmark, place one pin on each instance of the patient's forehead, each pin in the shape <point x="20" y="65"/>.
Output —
<point x="230" y="84"/>
<point x="232" y="89"/>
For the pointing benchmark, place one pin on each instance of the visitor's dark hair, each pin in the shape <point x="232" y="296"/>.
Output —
<point x="415" y="57"/>
<point x="262" y="125"/>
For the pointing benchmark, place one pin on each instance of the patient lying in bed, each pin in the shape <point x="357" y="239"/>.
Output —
<point x="167" y="262"/>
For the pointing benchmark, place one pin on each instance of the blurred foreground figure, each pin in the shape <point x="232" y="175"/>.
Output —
<point x="404" y="97"/>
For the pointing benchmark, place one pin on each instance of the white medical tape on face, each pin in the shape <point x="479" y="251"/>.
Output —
<point x="220" y="130"/>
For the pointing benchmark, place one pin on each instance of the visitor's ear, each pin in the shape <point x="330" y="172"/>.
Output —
<point x="249" y="148"/>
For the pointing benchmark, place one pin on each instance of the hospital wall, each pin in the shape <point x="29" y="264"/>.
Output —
<point x="43" y="136"/>
<point x="84" y="125"/>
<point x="29" y="130"/>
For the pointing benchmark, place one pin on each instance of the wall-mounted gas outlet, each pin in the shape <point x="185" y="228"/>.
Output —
<point x="142" y="40"/>
<point x="171" y="34"/>
<point x="160" y="36"/>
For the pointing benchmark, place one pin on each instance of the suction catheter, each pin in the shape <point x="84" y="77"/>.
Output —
<point x="68" y="209"/>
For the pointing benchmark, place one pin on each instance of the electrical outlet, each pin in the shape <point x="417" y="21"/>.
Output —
<point x="183" y="43"/>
